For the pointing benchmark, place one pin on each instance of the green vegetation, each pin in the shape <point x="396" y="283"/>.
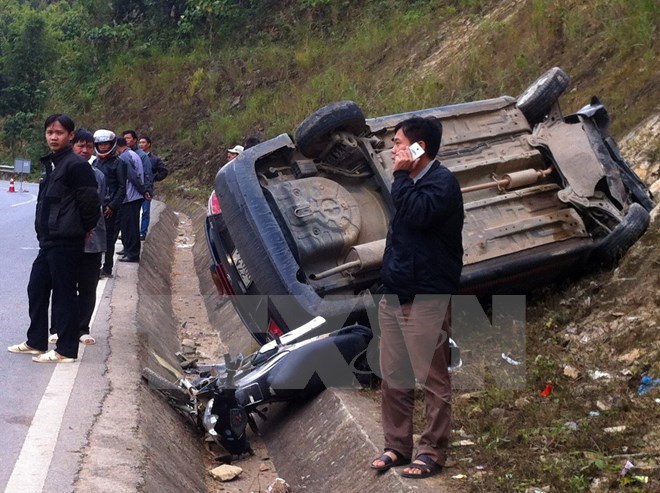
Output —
<point x="200" y="75"/>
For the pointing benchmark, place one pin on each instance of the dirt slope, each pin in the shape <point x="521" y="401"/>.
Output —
<point x="591" y="340"/>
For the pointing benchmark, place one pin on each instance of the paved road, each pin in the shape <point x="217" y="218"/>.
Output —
<point x="18" y="248"/>
<point x="80" y="427"/>
<point x="45" y="410"/>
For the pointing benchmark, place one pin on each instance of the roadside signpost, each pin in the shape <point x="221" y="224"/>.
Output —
<point x="22" y="166"/>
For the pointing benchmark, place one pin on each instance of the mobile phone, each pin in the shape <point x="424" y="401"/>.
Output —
<point x="416" y="151"/>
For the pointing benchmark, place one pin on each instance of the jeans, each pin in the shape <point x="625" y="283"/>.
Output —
<point x="146" y="213"/>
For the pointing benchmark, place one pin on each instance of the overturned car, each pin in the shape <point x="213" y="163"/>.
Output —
<point x="299" y="224"/>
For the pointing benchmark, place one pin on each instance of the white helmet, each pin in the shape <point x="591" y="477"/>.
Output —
<point x="105" y="136"/>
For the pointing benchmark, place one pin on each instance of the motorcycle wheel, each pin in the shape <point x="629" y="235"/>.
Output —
<point x="165" y="387"/>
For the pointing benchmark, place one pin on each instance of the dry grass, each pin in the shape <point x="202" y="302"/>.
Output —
<point x="195" y="104"/>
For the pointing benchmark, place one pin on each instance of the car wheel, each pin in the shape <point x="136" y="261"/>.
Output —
<point x="314" y="134"/>
<point x="537" y="99"/>
<point x="613" y="246"/>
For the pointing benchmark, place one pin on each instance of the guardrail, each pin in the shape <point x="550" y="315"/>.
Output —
<point x="6" y="172"/>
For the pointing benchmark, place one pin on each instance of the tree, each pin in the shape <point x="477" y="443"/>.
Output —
<point x="26" y="58"/>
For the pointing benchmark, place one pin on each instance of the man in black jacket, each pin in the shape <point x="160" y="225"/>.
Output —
<point x="68" y="208"/>
<point x="114" y="169"/>
<point x="159" y="172"/>
<point x="421" y="269"/>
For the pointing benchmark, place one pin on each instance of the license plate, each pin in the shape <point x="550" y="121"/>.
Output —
<point x="241" y="268"/>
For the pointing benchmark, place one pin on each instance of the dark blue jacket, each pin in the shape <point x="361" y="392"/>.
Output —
<point x="68" y="203"/>
<point x="424" y="249"/>
<point x="158" y="167"/>
<point x="147" y="170"/>
<point x="114" y="169"/>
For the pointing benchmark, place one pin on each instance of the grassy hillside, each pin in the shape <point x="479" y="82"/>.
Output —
<point x="388" y="56"/>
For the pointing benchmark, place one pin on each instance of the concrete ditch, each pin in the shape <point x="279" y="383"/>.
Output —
<point x="322" y="445"/>
<point x="138" y="442"/>
<point x="174" y="452"/>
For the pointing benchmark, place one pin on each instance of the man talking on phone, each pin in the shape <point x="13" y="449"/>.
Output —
<point x="421" y="268"/>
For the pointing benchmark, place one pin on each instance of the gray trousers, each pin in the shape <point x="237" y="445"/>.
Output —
<point x="414" y="345"/>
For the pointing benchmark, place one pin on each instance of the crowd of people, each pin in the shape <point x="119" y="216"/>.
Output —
<point x="95" y="186"/>
<point x="82" y="208"/>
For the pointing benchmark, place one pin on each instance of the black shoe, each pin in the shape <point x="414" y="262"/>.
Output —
<point x="105" y="275"/>
<point x="121" y="253"/>
<point x="143" y="237"/>
<point x="128" y="259"/>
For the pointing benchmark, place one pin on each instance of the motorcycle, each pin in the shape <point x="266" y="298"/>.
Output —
<point x="221" y="400"/>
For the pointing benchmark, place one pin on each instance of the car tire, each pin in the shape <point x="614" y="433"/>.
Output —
<point x="535" y="102"/>
<point x="613" y="246"/>
<point x="314" y="134"/>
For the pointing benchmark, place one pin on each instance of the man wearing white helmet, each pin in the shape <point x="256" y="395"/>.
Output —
<point x="234" y="152"/>
<point x="114" y="169"/>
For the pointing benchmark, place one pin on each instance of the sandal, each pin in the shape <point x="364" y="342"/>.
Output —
<point x="426" y="465"/>
<point x="23" y="348"/>
<point x="388" y="462"/>
<point x="53" y="339"/>
<point x="52" y="356"/>
<point x="87" y="340"/>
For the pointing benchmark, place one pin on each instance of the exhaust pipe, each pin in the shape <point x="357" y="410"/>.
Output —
<point x="367" y="256"/>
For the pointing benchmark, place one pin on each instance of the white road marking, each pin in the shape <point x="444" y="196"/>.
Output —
<point x="33" y="198"/>
<point x="31" y="468"/>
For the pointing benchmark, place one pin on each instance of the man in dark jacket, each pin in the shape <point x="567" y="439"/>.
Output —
<point x="421" y="269"/>
<point x="114" y="169"/>
<point x="68" y="208"/>
<point x="159" y="172"/>
<point x="95" y="246"/>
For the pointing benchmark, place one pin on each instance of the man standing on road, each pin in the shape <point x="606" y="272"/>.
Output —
<point x="421" y="268"/>
<point x="136" y="193"/>
<point x="95" y="244"/>
<point x="147" y="169"/>
<point x="114" y="169"/>
<point x="67" y="209"/>
<point x="159" y="172"/>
